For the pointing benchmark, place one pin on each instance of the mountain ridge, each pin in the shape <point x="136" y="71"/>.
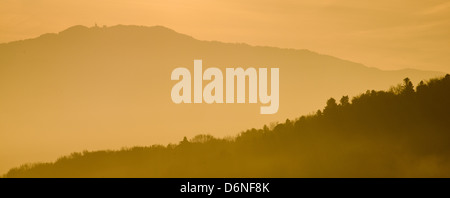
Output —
<point x="162" y="29"/>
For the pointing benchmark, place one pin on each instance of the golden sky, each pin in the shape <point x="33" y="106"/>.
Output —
<point x="387" y="34"/>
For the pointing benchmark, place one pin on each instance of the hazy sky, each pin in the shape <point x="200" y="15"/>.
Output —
<point x="388" y="34"/>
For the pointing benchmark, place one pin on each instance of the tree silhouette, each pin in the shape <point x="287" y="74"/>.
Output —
<point x="331" y="106"/>
<point x="344" y="101"/>
<point x="408" y="87"/>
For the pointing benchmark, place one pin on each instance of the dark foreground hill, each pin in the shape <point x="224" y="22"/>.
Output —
<point x="404" y="132"/>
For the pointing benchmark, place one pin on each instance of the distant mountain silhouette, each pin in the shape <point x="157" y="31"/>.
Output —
<point x="107" y="87"/>
<point x="396" y="133"/>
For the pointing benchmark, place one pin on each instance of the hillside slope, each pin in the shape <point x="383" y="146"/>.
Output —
<point x="399" y="133"/>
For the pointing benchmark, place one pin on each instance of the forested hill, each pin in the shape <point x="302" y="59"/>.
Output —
<point x="403" y="132"/>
